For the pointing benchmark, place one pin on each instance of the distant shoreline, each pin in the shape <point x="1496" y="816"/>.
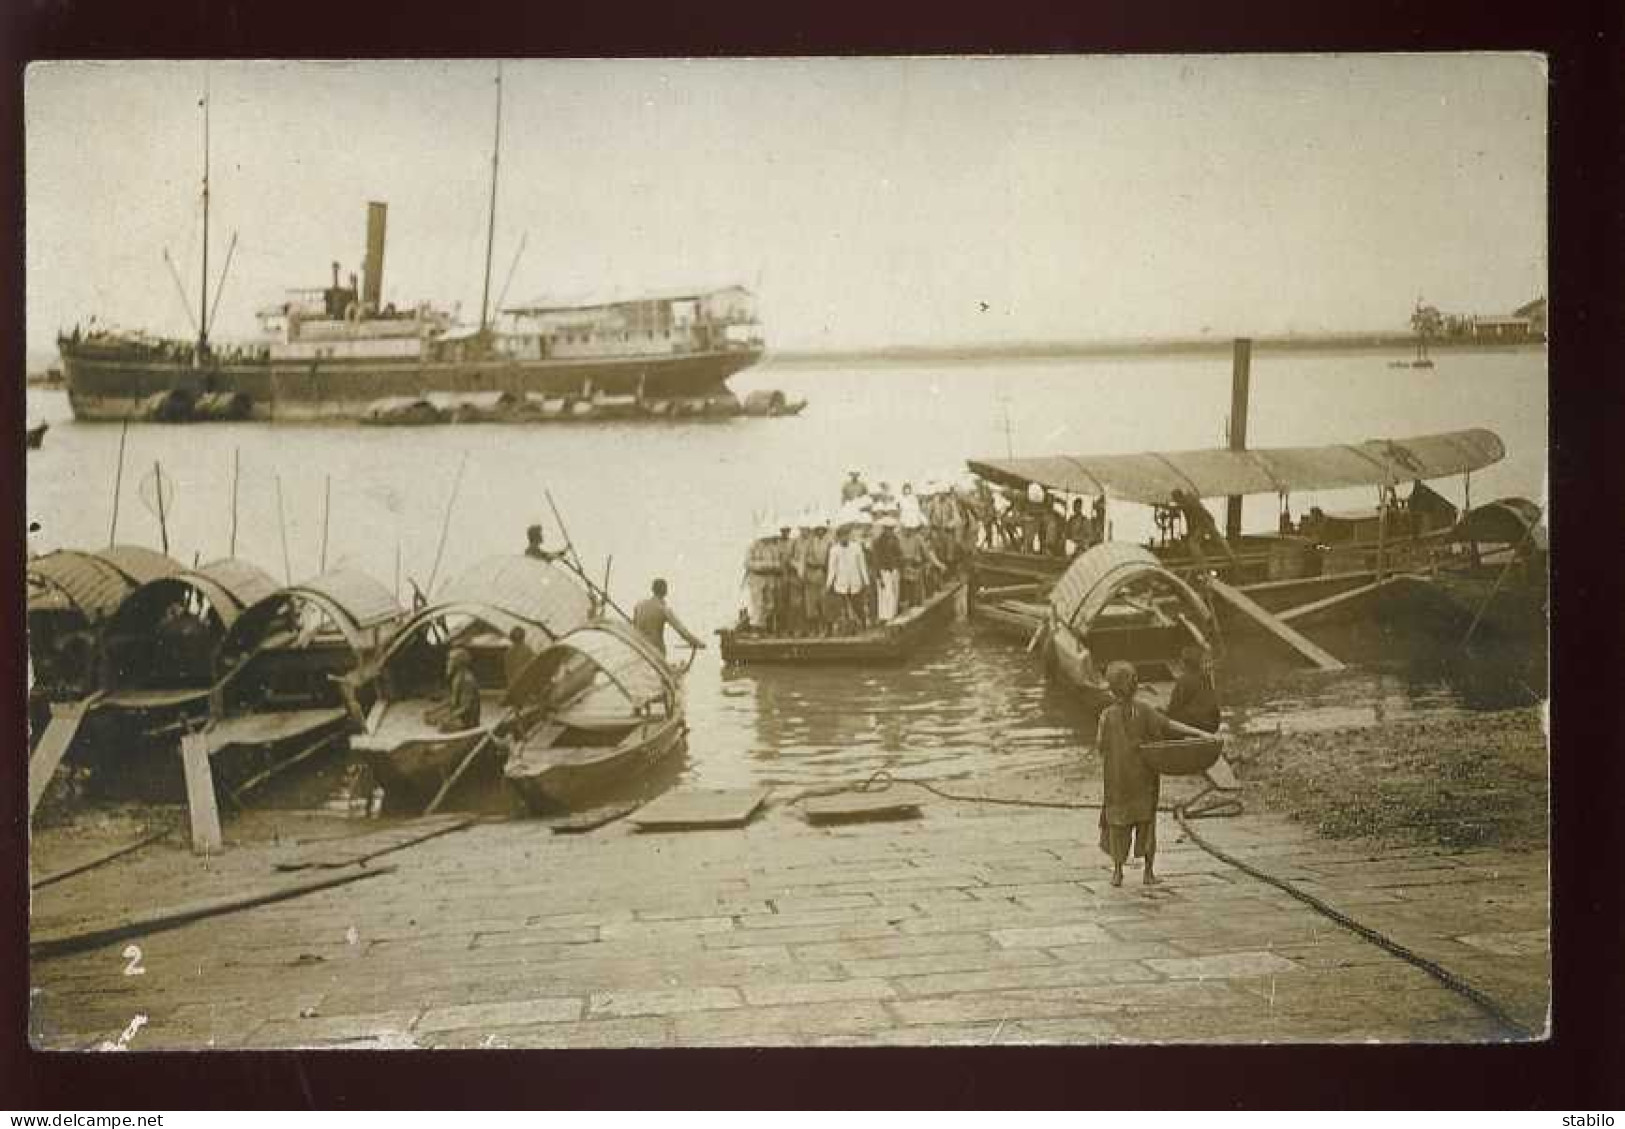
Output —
<point x="1061" y="350"/>
<point x="1403" y="343"/>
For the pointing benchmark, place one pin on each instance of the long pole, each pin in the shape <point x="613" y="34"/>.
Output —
<point x="573" y="560"/>
<point x="118" y="483"/>
<point x="203" y="291"/>
<point x="1240" y="380"/>
<point x="236" y="453"/>
<point x="445" y="524"/>
<point x="327" y="505"/>
<point x="491" y="222"/>
<point x="158" y="490"/>
<point x="397" y="570"/>
<point x="282" y="525"/>
<point x="1467" y="513"/>
<point x="214" y="311"/>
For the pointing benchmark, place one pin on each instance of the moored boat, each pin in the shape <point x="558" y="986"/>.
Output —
<point x="892" y="641"/>
<point x="1118" y="602"/>
<point x="157" y="659"/>
<point x="411" y="756"/>
<point x="280" y="671"/>
<point x="594" y="712"/>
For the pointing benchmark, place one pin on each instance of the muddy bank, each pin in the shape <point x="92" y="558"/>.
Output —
<point x="1474" y="781"/>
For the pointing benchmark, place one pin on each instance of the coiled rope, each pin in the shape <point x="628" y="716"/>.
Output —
<point x="882" y="780"/>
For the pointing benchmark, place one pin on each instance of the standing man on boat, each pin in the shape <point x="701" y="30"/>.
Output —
<point x="517" y="657"/>
<point x="1200" y="527"/>
<point x="653" y="615"/>
<point x="787" y="598"/>
<point x="848" y="579"/>
<point x="1128" y="815"/>
<point x="761" y="579"/>
<point x="813" y="562"/>
<point x="888" y="561"/>
<point x="534" y="548"/>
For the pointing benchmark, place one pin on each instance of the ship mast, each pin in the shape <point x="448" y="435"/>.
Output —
<point x="203" y="290"/>
<point x="491" y="225"/>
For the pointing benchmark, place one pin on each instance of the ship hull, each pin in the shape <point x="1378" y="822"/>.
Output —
<point x="110" y="387"/>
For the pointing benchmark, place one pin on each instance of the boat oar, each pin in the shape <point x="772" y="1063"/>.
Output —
<point x="457" y="773"/>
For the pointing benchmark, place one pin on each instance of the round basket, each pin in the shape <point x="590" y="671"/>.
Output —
<point x="1189" y="756"/>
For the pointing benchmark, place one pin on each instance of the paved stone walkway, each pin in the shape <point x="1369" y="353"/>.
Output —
<point x="975" y="924"/>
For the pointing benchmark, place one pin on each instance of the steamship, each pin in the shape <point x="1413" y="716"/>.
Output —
<point x="336" y="352"/>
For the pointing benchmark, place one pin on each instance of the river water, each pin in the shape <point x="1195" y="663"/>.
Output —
<point x="683" y="500"/>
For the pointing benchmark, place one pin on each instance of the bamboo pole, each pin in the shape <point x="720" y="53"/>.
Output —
<point x="282" y="526"/>
<point x="158" y="491"/>
<point x="236" y="453"/>
<point x="118" y="482"/>
<point x="445" y="525"/>
<point x="327" y="505"/>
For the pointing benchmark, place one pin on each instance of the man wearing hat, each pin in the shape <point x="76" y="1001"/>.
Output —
<point x="1128" y="815"/>
<point x="848" y="578"/>
<point x="918" y="561"/>
<point x="888" y="561"/>
<point x="812" y="564"/>
<point x="787" y="594"/>
<point x="762" y="564"/>
<point x="460" y="709"/>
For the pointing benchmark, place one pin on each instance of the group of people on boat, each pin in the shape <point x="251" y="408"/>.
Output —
<point x="1037" y="521"/>
<point x="880" y="555"/>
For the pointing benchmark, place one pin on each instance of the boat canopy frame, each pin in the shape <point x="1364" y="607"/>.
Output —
<point x="1103" y="572"/>
<point x="1149" y="478"/>
<point x="362" y="609"/>
<point x="635" y="668"/>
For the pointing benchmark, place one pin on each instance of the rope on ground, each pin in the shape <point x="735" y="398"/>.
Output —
<point x="881" y="780"/>
<point x="1443" y="975"/>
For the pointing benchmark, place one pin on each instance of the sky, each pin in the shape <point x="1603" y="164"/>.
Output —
<point x="867" y="202"/>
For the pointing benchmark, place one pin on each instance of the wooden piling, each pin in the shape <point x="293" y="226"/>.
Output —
<point x="1240" y="378"/>
<point x="200" y="801"/>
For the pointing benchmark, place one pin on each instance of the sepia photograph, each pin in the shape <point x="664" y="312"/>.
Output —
<point x="795" y="552"/>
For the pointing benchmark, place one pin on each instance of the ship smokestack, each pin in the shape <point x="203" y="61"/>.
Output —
<point x="335" y="276"/>
<point x="372" y="268"/>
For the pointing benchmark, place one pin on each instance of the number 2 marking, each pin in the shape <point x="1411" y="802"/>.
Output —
<point x="132" y="953"/>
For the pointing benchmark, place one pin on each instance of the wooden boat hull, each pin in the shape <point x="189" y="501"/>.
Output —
<point x="412" y="770"/>
<point x="554" y="779"/>
<point x="891" y="642"/>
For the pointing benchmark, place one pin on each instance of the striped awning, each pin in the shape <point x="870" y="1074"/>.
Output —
<point x="630" y="664"/>
<point x="539" y="592"/>
<point x="1150" y="478"/>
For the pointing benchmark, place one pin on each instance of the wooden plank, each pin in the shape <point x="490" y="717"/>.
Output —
<point x="66" y="717"/>
<point x="360" y="848"/>
<point x="590" y="819"/>
<point x="200" y="800"/>
<point x="170" y="917"/>
<point x="695" y="808"/>
<point x="1321" y="658"/>
<point x="851" y="807"/>
<point x="1302" y="610"/>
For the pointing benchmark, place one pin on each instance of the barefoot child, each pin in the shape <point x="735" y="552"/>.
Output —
<point x="1129" y="813"/>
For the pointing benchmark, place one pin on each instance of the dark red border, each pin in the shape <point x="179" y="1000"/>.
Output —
<point x="1580" y="1068"/>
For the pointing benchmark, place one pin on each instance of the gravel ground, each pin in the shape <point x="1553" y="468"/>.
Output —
<point x="1479" y="780"/>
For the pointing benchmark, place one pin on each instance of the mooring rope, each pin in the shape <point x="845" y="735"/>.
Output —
<point x="881" y="780"/>
<point x="1443" y="975"/>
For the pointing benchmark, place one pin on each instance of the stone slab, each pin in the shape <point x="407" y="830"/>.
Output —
<point x="687" y="809"/>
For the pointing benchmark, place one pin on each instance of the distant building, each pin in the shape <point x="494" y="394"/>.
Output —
<point x="1536" y="313"/>
<point x="1526" y="323"/>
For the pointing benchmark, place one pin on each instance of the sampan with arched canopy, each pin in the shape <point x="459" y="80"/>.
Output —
<point x="159" y="646"/>
<point x="71" y="597"/>
<point x="596" y="710"/>
<point x="1117" y="601"/>
<point x="412" y="755"/>
<point x="279" y="669"/>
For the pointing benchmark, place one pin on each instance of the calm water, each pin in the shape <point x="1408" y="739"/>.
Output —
<point x="682" y="501"/>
